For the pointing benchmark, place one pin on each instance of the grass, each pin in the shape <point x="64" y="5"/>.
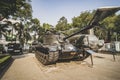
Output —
<point x="4" y="59"/>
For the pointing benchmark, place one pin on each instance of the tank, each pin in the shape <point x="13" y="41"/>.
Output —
<point x="54" y="48"/>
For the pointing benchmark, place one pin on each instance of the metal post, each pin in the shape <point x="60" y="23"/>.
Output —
<point x="114" y="57"/>
<point x="91" y="60"/>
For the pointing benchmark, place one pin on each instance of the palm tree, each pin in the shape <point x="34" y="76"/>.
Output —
<point x="4" y="29"/>
<point x="35" y="27"/>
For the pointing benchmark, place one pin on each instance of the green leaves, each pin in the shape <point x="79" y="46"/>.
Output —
<point x="46" y="26"/>
<point x="18" y="8"/>
<point x="7" y="7"/>
<point x="82" y="20"/>
<point x="62" y="24"/>
<point x="106" y="28"/>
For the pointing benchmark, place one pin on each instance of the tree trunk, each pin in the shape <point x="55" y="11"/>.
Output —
<point x="109" y="36"/>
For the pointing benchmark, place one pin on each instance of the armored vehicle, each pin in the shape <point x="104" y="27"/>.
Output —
<point x="57" y="46"/>
<point x="54" y="48"/>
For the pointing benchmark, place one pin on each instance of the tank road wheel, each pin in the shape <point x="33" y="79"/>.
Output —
<point x="56" y="56"/>
<point x="43" y="58"/>
<point x="53" y="57"/>
<point x="46" y="59"/>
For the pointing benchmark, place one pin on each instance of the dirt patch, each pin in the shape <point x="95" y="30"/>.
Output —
<point x="28" y="67"/>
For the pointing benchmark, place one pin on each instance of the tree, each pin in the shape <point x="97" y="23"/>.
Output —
<point x="46" y="26"/>
<point x="39" y="30"/>
<point x="16" y="8"/>
<point x="23" y="10"/>
<point x="3" y="29"/>
<point x="7" y="7"/>
<point x="108" y="27"/>
<point x="100" y="32"/>
<point x="117" y="27"/>
<point x="109" y="24"/>
<point x="62" y="24"/>
<point x="82" y="20"/>
<point x="19" y="10"/>
<point x="23" y="13"/>
<point x="35" y="24"/>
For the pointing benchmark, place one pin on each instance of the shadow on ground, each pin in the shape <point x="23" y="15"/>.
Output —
<point x="4" y="70"/>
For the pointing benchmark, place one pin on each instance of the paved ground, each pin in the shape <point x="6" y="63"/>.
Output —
<point x="26" y="67"/>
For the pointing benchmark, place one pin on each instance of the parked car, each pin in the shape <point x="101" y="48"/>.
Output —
<point x="3" y="48"/>
<point x="14" y="48"/>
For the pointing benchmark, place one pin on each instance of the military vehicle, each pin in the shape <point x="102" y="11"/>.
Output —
<point x="57" y="47"/>
<point x="87" y="40"/>
<point x="54" y="48"/>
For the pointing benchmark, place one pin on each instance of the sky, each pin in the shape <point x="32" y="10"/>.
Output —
<point x="50" y="11"/>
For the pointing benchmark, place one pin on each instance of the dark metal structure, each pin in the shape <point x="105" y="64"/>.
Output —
<point x="56" y="46"/>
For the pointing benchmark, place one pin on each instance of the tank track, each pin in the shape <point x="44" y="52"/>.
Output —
<point x="46" y="59"/>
